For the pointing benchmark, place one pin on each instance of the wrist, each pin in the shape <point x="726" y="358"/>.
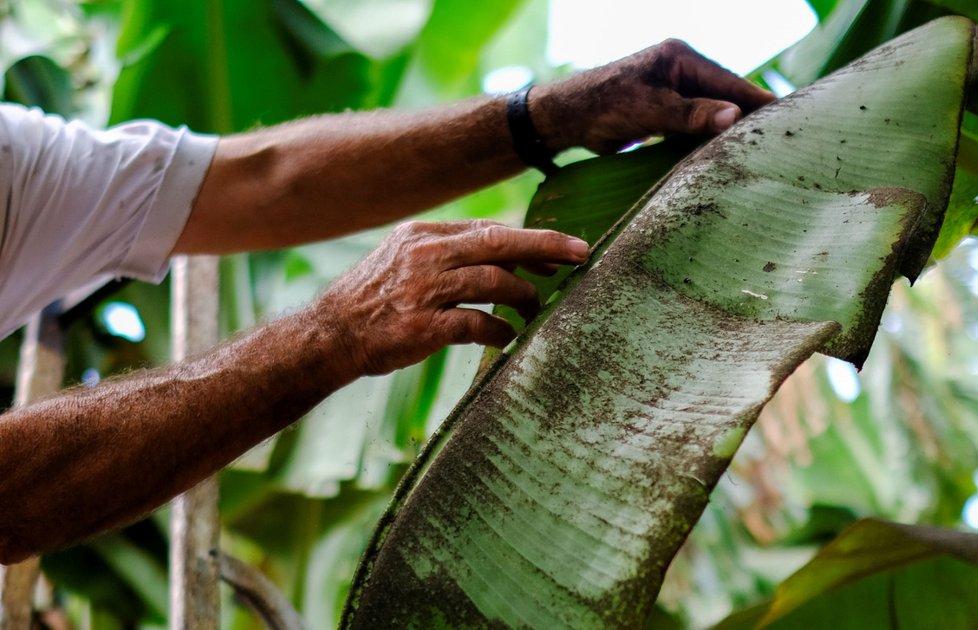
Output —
<point x="549" y="112"/>
<point x="529" y="145"/>
<point x="343" y="357"/>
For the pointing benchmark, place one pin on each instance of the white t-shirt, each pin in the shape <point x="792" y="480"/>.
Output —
<point x="78" y="203"/>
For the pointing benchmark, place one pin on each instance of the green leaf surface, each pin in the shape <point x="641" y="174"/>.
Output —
<point x="877" y="574"/>
<point x="587" y="198"/>
<point x="822" y="8"/>
<point x="849" y="31"/>
<point x="139" y="569"/>
<point x="82" y="571"/>
<point x="962" y="211"/>
<point x="805" y="61"/>
<point x="307" y="32"/>
<point x="380" y="28"/>
<point x="567" y="479"/>
<point x="456" y="32"/>
<point x="37" y="81"/>
<point x="221" y="67"/>
<point x="448" y="51"/>
<point x="966" y="8"/>
<point x="961" y="218"/>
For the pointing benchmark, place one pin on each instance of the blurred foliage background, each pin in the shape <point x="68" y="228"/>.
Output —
<point x="898" y="440"/>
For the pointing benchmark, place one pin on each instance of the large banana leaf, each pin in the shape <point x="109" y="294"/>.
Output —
<point x="566" y="480"/>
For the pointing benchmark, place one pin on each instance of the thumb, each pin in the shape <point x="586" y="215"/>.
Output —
<point x="705" y="116"/>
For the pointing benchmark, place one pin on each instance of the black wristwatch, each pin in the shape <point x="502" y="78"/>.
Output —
<point x="528" y="144"/>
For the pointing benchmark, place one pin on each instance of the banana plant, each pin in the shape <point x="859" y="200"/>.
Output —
<point x="563" y="484"/>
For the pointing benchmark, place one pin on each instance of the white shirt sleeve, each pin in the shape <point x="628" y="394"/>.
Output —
<point x="78" y="203"/>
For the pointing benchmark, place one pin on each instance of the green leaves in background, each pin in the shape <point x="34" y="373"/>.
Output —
<point x="822" y="8"/>
<point x="847" y="30"/>
<point x="877" y="574"/>
<point x="39" y="82"/>
<point x="449" y="47"/>
<point x="123" y="574"/>
<point x="962" y="214"/>
<point x="961" y="7"/>
<point x="221" y="67"/>
<point x="566" y="481"/>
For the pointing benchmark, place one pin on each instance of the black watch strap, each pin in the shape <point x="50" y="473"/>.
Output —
<point x="528" y="144"/>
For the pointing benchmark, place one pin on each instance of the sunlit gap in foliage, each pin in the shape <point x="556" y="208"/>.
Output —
<point x="970" y="244"/>
<point x="970" y="513"/>
<point x="91" y="377"/>
<point x="506" y="79"/>
<point x="891" y="323"/>
<point x="843" y="379"/>
<point x="739" y="35"/>
<point x="778" y="84"/>
<point x="122" y="320"/>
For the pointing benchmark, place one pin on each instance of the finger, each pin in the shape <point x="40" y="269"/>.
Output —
<point x="500" y="244"/>
<point x="459" y="226"/>
<point x="466" y="325"/>
<point x="699" y="76"/>
<point x="699" y="116"/>
<point x="489" y="284"/>
<point x="445" y="228"/>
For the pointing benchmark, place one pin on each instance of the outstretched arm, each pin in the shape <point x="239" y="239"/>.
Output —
<point x="91" y="459"/>
<point x="330" y="175"/>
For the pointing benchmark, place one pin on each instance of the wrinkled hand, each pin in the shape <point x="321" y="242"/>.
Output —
<point x="401" y="303"/>
<point x="668" y="88"/>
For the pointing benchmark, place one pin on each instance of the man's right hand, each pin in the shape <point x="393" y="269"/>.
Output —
<point x="665" y="89"/>
<point x="401" y="303"/>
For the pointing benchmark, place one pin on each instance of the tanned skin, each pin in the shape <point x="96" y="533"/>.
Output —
<point x="92" y="459"/>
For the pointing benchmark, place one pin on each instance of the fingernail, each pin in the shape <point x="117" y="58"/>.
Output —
<point x="725" y="118"/>
<point x="578" y="247"/>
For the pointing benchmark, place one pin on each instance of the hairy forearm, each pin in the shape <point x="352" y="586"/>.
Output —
<point x="334" y="174"/>
<point x="87" y="460"/>
<point x="92" y="459"/>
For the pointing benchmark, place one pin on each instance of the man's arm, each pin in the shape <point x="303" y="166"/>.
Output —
<point x="91" y="459"/>
<point x="330" y="175"/>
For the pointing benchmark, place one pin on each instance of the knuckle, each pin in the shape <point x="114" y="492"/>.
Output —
<point x="549" y="242"/>
<point x="494" y="277"/>
<point x="674" y="46"/>
<point x="403" y="229"/>
<point x="417" y="254"/>
<point x="461" y="331"/>
<point x="482" y="224"/>
<point x="410" y="229"/>
<point x="494" y="237"/>
<point x="691" y="113"/>
<point x="455" y="330"/>
<point x="444" y="286"/>
<point x="421" y="252"/>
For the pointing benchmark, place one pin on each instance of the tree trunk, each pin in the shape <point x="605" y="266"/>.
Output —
<point x="194" y="525"/>
<point x="40" y="373"/>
